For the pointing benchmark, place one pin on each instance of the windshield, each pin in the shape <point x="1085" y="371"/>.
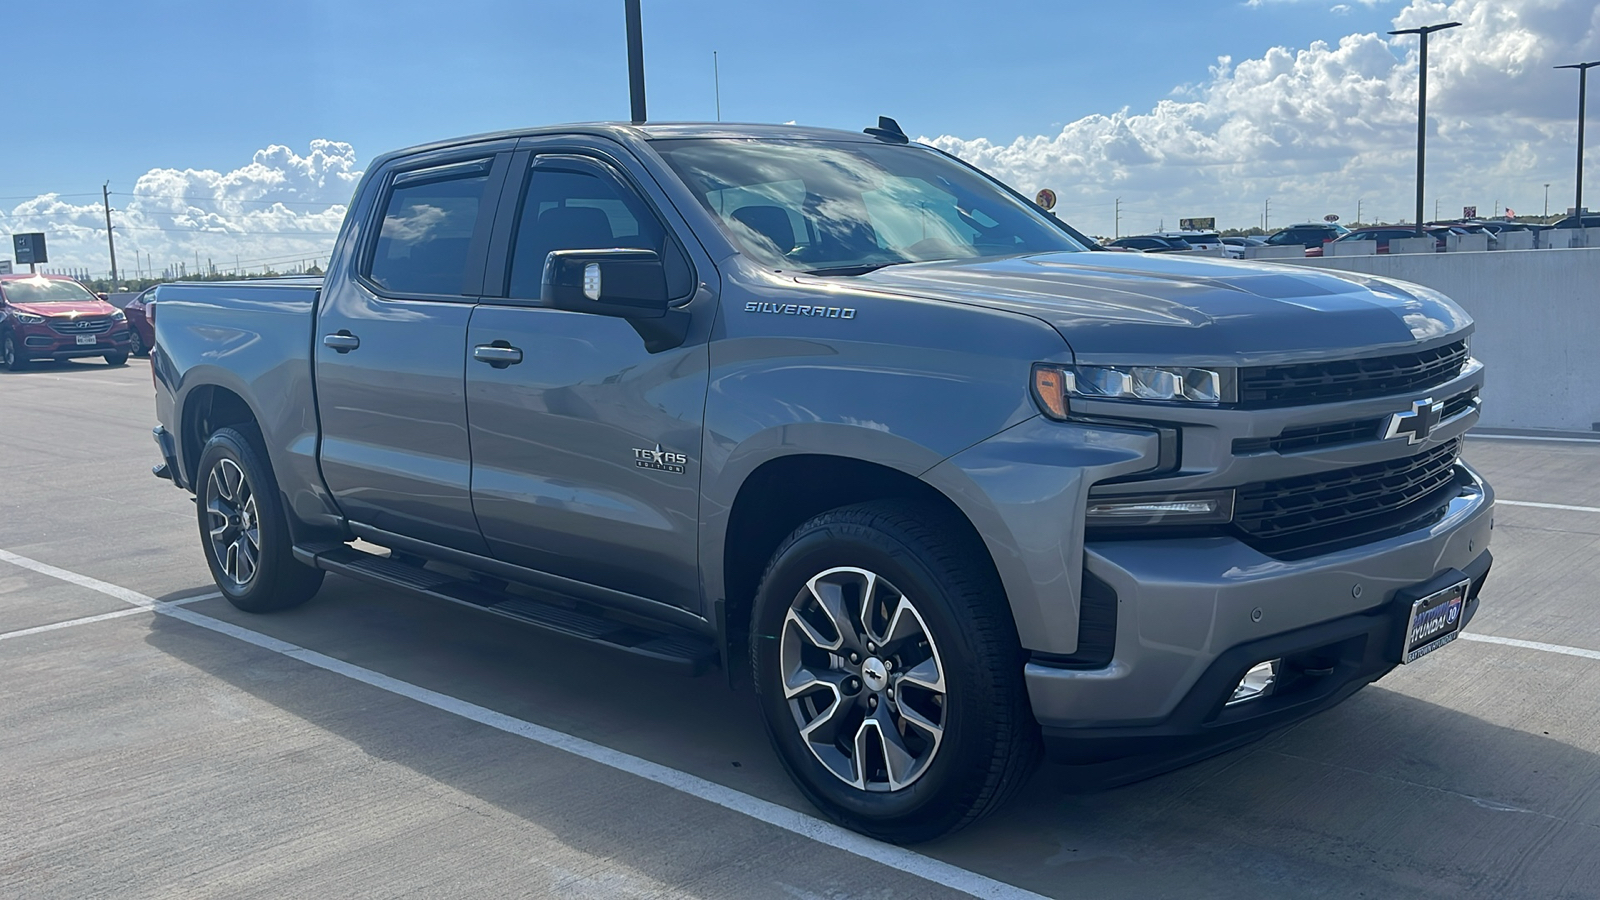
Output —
<point x="46" y="290"/>
<point x="845" y="208"/>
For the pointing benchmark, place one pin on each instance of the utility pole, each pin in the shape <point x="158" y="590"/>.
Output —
<point x="1583" y="88"/>
<point x="1116" y="229"/>
<point x="111" y="242"/>
<point x="1358" y="211"/>
<point x="1266" y="215"/>
<point x="1436" y="209"/>
<point x="635" y="60"/>
<point x="716" y="83"/>
<point x="1422" y="109"/>
<point x="1547" y="200"/>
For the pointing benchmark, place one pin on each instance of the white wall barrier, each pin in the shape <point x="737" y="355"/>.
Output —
<point x="1424" y="244"/>
<point x="1538" y="318"/>
<point x="1350" y="248"/>
<point x="1516" y="240"/>
<point x="1465" y="243"/>
<point x="1295" y="252"/>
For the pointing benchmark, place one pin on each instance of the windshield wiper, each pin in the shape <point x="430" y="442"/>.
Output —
<point x="859" y="268"/>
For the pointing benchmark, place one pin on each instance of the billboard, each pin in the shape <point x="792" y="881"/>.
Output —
<point x="1469" y="212"/>
<point x="29" y="248"/>
<point x="5" y="267"/>
<point x="1209" y="223"/>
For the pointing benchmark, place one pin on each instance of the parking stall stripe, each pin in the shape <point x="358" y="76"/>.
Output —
<point x="93" y="584"/>
<point x="86" y="620"/>
<point x="1531" y="645"/>
<point x="1587" y="509"/>
<point x="801" y="824"/>
<point x="1533" y="437"/>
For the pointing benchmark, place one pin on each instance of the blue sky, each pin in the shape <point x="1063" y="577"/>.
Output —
<point x="1108" y="99"/>
<point x="205" y="84"/>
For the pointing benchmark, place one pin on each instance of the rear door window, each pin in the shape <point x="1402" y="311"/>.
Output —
<point x="429" y="221"/>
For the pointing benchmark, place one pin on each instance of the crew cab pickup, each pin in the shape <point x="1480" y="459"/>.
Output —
<point x="841" y="411"/>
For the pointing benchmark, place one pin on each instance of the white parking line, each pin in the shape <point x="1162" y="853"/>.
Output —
<point x="53" y="626"/>
<point x="1530" y="437"/>
<point x="806" y="826"/>
<point x="1531" y="645"/>
<point x="1588" y="509"/>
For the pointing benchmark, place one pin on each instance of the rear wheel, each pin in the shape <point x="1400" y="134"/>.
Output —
<point x="116" y="359"/>
<point x="136" y="345"/>
<point x="889" y="673"/>
<point x="244" y="529"/>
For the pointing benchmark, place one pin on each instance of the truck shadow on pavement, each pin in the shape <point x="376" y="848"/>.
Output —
<point x="1385" y="795"/>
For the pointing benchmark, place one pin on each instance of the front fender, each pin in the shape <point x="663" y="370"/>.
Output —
<point x="1024" y="491"/>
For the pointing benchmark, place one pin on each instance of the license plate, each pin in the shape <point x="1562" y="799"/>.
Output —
<point x="1435" y="621"/>
<point x="86" y="339"/>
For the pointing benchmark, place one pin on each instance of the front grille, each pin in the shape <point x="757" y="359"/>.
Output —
<point x="80" y="326"/>
<point x="1333" y="434"/>
<point x="1293" y="517"/>
<point x="1302" y="384"/>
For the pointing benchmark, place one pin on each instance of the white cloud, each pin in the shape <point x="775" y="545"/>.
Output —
<point x="279" y="209"/>
<point x="1320" y="128"/>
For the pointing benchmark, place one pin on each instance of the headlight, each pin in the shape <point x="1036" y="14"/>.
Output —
<point x="29" y="318"/>
<point x="1054" y="386"/>
<point x="118" y="316"/>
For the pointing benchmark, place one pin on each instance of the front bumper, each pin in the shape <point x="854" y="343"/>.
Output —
<point x="1193" y="615"/>
<point x="39" y="342"/>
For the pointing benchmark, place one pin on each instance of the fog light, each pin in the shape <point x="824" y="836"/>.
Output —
<point x="1257" y="682"/>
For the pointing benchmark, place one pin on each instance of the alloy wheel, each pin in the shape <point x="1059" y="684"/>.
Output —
<point x="233" y="526"/>
<point x="863" y="679"/>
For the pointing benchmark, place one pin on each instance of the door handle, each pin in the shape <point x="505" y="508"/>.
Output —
<point x="342" y="342"/>
<point x="497" y="354"/>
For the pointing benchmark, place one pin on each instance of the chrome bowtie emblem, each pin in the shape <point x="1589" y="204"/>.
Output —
<point x="1417" y="423"/>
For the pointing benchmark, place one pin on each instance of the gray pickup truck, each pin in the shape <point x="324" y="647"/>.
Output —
<point x="842" y="411"/>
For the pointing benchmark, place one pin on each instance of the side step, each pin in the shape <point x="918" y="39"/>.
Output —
<point x="687" y="652"/>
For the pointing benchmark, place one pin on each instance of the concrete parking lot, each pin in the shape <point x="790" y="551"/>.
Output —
<point x="154" y="742"/>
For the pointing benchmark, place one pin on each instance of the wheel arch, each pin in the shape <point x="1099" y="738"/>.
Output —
<point x="784" y="492"/>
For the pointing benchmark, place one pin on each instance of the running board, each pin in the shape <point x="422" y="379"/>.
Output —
<point x="687" y="652"/>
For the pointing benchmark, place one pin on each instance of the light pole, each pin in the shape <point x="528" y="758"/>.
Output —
<point x="1422" y="106"/>
<point x="1583" y="86"/>
<point x="1547" y="200"/>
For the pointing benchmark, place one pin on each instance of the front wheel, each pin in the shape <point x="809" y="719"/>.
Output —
<point x="244" y="529"/>
<point x="136" y="345"/>
<point x="8" y="353"/>
<point x="116" y="359"/>
<point x="889" y="673"/>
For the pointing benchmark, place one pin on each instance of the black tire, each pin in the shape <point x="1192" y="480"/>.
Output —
<point x="990" y="740"/>
<point x="116" y="359"/>
<point x="136" y="345"/>
<point x="9" y="355"/>
<point x="275" y="580"/>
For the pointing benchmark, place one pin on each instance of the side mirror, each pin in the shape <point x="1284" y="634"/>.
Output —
<point x="628" y="284"/>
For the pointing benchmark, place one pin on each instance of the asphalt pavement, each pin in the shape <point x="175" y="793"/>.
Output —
<point x="155" y="742"/>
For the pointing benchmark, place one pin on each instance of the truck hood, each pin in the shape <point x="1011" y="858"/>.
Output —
<point x="1128" y="307"/>
<point x="73" y="308"/>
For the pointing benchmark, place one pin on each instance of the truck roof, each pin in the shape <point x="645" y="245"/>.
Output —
<point x="627" y="132"/>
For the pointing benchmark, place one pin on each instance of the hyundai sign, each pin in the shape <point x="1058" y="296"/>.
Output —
<point x="29" y="248"/>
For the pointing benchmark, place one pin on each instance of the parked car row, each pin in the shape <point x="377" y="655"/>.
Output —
<point x="1314" y="236"/>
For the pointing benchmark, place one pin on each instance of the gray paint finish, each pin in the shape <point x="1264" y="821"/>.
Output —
<point x="928" y="375"/>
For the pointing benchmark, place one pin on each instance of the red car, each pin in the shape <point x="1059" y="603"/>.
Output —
<point x="55" y="317"/>
<point x="141" y="322"/>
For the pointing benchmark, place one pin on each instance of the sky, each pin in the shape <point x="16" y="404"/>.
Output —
<point x="235" y="132"/>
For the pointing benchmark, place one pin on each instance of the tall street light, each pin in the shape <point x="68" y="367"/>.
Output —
<point x="1422" y="106"/>
<point x="1583" y="86"/>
